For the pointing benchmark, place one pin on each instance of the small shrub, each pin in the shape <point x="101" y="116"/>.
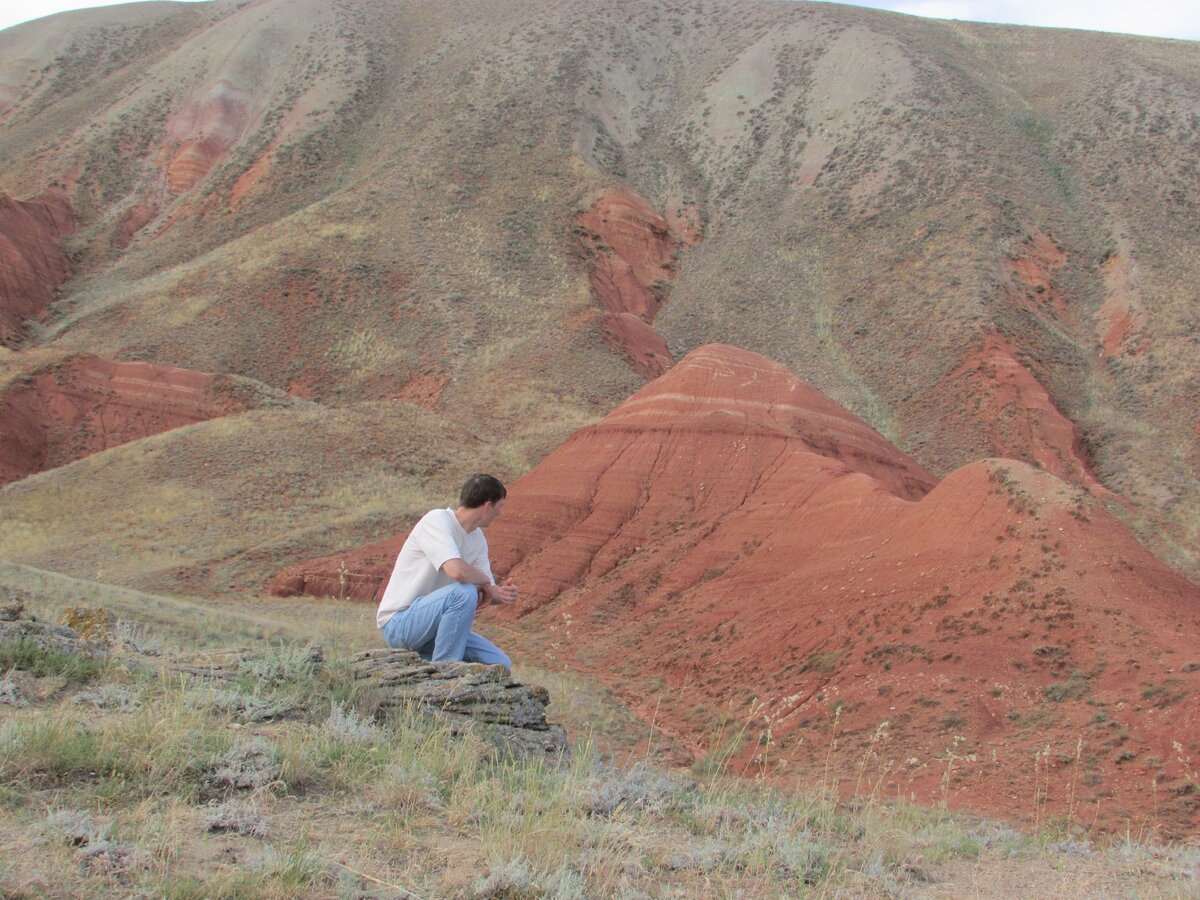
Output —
<point x="75" y="825"/>
<point x="1165" y="694"/>
<point x="820" y="662"/>
<point x="344" y="724"/>
<point x="640" y="788"/>
<point x="1076" y="686"/>
<point x="43" y="660"/>
<point x="249" y="765"/>
<point x="236" y="815"/>
<point x="133" y="635"/>
<point x="109" y="696"/>
<point x="511" y="879"/>
<point x="282" y="665"/>
<point x="244" y="707"/>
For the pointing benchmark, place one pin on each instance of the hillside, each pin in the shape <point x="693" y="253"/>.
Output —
<point x="845" y="364"/>
<point x="978" y="238"/>
<point x="728" y="546"/>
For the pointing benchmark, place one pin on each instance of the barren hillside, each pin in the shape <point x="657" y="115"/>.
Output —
<point x="978" y="238"/>
<point x="759" y="573"/>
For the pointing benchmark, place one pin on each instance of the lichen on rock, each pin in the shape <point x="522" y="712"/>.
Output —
<point x="511" y="715"/>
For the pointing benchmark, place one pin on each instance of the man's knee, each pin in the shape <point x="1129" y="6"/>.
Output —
<point x="494" y="656"/>
<point x="464" y="596"/>
<point x="481" y="650"/>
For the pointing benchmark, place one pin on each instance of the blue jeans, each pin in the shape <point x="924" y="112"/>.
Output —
<point x="438" y="626"/>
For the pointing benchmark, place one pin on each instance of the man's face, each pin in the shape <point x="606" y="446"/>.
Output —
<point x="491" y="512"/>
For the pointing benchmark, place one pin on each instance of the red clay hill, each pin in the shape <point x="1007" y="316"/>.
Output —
<point x="56" y="411"/>
<point x="730" y="546"/>
<point x="56" y="407"/>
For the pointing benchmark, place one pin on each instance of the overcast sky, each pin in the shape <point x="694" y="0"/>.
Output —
<point x="1162" y="18"/>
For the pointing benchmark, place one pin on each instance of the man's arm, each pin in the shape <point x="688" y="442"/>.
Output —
<point x="465" y="573"/>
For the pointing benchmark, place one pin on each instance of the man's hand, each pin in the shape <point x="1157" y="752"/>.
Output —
<point x="499" y="593"/>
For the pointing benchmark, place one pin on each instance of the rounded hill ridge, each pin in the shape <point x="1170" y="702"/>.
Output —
<point x="721" y="388"/>
<point x="515" y="215"/>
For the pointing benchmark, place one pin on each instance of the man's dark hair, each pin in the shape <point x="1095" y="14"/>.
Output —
<point x="480" y="489"/>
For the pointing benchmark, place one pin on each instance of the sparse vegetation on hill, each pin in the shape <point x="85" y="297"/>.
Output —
<point x="358" y="202"/>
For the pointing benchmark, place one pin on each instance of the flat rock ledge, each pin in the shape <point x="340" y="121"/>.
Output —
<point x="469" y="695"/>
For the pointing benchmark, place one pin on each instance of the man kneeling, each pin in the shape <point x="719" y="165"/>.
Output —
<point x="441" y="575"/>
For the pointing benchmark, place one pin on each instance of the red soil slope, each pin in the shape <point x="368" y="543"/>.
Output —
<point x="357" y="575"/>
<point x="633" y="252"/>
<point x="32" y="263"/>
<point x="87" y="404"/>
<point x="731" y="546"/>
<point x="1120" y="321"/>
<point x="755" y="551"/>
<point x="1033" y="285"/>
<point x="198" y="137"/>
<point x="200" y="134"/>
<point x="1015" y="412"/>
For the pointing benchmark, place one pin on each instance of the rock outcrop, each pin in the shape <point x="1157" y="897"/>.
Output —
<point x="484" y="699"/>
<point x="469" y="695"/>
<point x="19" y="626"/>
<point x="632" y="251"/>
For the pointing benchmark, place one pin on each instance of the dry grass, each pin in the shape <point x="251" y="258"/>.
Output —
<point x="173" y="791"/>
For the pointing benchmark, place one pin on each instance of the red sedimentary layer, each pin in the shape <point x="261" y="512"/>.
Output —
<point x="729" y="542"/>
<point x="87" y="404"/>
<point x="641" y="344"/>
<point x="251" y="179"/>
<point x="139" y="216"/>
<point x="633" y="251"/>
<point x="1014" y="412"/>
<point x="357" y="575"/>
<point x="200" y="134"/>
<point x="1033" y="270"/>
<point x="32" y="261"/>
<point x="1120" y="320"/>
<point x="424" y="390"/>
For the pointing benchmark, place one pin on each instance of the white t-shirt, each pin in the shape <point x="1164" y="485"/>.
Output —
<point x="435" y="539"/>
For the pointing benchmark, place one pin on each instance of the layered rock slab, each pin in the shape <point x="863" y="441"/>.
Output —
<point x="468" y="695"/>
